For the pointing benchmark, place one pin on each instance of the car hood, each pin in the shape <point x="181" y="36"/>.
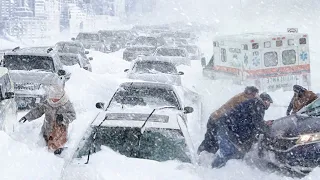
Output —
<point x="295" y="125"/>
<point x="41" y="77"/>
<point x="173" y="59"/>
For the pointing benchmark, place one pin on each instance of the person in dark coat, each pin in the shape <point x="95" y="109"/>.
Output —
<point x="301" y="98"/>
<point x="237" y="130"/>
<point x="209" y="143"/>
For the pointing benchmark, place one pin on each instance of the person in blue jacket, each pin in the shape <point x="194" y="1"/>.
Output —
<point x="238" y="129"/>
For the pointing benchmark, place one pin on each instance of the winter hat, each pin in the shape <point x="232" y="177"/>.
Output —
<point x="298" y="89"/>
<point x="251" y="90"/>
<point x="266" y="97"/>
<point x="55" y="92"/>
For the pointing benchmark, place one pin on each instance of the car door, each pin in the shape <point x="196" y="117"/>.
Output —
<point x="8" y="106"/>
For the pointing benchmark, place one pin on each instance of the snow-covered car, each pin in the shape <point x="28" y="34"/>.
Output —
<point x="8" y="108"/>
<point x="91" y="40"/>
<point x="293" y="144"/>
<point x="142" y="46"/>
<point x="71" y="47"/>
<point x="111" y="40"/>
<point x="142" y="120"/>
<point x="176" y="55"/>
<point x="31" y="69"/>
<point x="68" y="59"/>
<point x="150" y="69"/>
<point x="194" y="52"/>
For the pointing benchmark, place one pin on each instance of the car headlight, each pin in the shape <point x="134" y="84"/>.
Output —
<point x="308" y="138"/>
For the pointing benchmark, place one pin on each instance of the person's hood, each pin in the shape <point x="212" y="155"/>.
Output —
<point x="42" y="77"/>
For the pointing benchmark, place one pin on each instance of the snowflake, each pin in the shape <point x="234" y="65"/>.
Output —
<point x="304" y="56"/>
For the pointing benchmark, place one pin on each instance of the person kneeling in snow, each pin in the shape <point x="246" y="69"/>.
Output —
<point x="238" y="129"/>
<point x="59" y="112"/>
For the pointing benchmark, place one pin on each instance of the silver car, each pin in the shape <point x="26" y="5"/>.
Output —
<point x="91" y="41"/>
<point x="32" y="69"/>
<point x="69" y="59"/>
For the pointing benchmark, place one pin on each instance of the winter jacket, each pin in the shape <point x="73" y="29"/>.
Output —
<point x="300" y="101"/>
<point x="229" y="105"/>
<point x="51" y="110"/>
<point x="244" y="122"/>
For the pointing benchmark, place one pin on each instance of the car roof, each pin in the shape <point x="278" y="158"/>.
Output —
<point x="147" y="84"/>
<point x="152" y="59"/>
<point x="69" y="42"/>
<point x="3" y="71"/>
<point x="35" y="51"/>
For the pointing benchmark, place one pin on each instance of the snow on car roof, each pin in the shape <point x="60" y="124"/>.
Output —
<point x="256" y="36"/>
<point x="36" y="51"/>
<point x="69" y="42"/>
<point x="88" y="33"/>
<point x="69" y="54"/>
<point x="3" y="71"/>
<point x="148" y="84"/>
<point x="152" y="59"/>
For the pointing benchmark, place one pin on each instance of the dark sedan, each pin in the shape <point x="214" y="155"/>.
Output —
<point x="295" y="141"/>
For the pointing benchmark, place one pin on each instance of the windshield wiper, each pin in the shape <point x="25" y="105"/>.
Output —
<point x="142" y="128"/>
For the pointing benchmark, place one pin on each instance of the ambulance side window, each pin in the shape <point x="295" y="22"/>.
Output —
<point x="223" y="55"/>
<point x="290" y="42"/>
<point x="303" y="41"/>
<point x="270" y="59"/>
<point x="279" y="43"/>
<point x="289" y="57"/>
<point x="255" y="45"/>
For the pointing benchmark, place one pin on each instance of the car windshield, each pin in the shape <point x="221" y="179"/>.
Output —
<point x="145" y="96"/>
<point x="170" y="52"/>
<point x="27" y="62"/>
<point x="107" y="34"/>
<point x="155" y="144"/>
<point x="88" y="37"/>
<point x="145" y="41"/>
<point x="69" y="60"/>
<point x="312" y="109"/>
<point x="191" y="49"/>
<point x="154" y="67"/>
<point x="69" y="49"/>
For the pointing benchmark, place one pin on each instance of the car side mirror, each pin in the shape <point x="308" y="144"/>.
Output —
<point x="181" y="73"/>
<point x="188" y="110"/>
<point x="9" y="95"/>
<point x="73" y="39"/>
<point x="203" y="62"/>
<point x="126" y="70"/>
<point x="86" y="52"/>
<point x="90" y="58"/>
<point x="62" y="72"/>
<point x="100" y="105"/>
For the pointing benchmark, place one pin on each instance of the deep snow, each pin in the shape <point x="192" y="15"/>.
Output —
<point x="24" y="157"/>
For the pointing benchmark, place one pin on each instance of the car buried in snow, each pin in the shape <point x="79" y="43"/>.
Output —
<point x="71" y="47"/>
<point x="142" y="46"/>
<point x="91" y="40"/>
<point x="8" y="108"/>
<point x="143" y="120"/>
<point x="176" y="55"/>
<point x="194" y="52"/>
<point x="32" y="69"/>
<point x="293" y="145"/>
<point x="147" y="68"/>
<point x="68" y="59"/>
<point x="114" y="40"/>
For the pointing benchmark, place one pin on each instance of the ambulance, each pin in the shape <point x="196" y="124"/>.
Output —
<point x="270" y="61"/>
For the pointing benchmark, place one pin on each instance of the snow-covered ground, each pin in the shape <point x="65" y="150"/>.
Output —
<point x="23" y="156"/>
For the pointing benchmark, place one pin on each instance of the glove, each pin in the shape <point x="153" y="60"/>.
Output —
<point x="22" y="120"/>
<point x="59" y="119"/>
